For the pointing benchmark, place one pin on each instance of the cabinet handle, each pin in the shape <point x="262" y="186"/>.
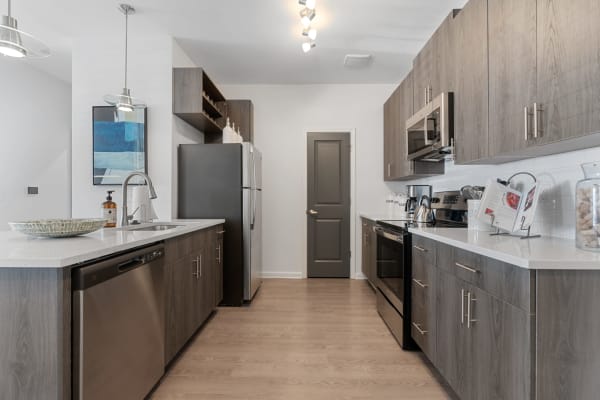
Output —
<point x="200" y="265"/>
<point x="220" y="232"/>
<point x="462" y="306"/>
<point x="537" y="129"/>
<point x="421" y="249"/>
<point x="389" y="173"/>
<point x="419" y="283"/>
<point x="219" y="254"/>
<point x="426" y="94"/>
<point x="418" y="328"/>
<point x="463" y="266"/>
<point x="470" y="299"/>
<point x="526" y="115"/>
<point x="197" y="272"/>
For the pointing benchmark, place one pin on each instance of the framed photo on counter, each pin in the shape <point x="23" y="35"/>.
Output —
<point x="120" y="143"/>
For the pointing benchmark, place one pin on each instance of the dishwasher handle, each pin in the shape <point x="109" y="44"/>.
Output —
<point x="94" y="273"/>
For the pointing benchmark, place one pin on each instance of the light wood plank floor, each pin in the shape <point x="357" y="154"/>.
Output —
<point x="301" y="339"/>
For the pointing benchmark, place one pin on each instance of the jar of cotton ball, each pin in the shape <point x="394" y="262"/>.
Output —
<point x="587" y="212"/>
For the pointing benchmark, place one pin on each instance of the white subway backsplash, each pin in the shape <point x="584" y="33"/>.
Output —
<point x="557" y="174"/>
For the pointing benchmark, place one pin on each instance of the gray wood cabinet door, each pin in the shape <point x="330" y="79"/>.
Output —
<point x="452" y="341"/>
<point x="179" y="295"/>
<point x="365" y="249"/>
<point x="372" y="253"/>
<point x="568" y="59"/>
<point x="512" y="73"/>
<point x="500" y="349"/>
<point x="423" y="72"/>
<point x="396" y="111"/>
<point x="424" y="288"/>
<point x="471" y="95"/>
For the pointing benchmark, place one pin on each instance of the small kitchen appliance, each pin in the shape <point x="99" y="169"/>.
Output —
<point x="415" y="194"/>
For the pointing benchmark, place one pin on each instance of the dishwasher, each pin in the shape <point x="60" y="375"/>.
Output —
<point x="118" y="326"/>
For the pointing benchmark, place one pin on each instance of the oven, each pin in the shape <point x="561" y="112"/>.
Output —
<point x="394" y="276"/>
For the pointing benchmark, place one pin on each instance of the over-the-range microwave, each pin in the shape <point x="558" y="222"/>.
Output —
<point x="430" y="132"/>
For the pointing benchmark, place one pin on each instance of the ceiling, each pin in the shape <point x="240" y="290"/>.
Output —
<point x="251" y="41"/>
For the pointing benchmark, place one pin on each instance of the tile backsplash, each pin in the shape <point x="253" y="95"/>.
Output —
<point x="557" y="174"/>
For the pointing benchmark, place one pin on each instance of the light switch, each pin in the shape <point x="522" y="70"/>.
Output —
<point x="32" y="190"/>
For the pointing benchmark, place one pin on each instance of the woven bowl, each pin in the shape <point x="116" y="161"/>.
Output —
<point x="58" y="228"/>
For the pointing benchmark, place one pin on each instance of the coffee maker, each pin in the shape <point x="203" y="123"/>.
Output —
<point x="415" y="195"/>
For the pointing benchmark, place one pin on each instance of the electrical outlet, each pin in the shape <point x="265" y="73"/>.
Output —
<point x="32" y="190"/>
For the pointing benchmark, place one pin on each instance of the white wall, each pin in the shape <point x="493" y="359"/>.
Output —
<point x="558" y="175"/>
<point x="283" y="114"/>
<point x="98" y="70"/>
<point x="36" y="143"/>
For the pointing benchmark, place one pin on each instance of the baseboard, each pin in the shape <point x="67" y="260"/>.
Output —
<point x="281" y="275"/>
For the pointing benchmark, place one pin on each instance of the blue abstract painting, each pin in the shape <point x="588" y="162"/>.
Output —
<point x="119" y="144"/>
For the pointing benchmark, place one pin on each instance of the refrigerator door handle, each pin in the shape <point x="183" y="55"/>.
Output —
<point x="253" y="192"/>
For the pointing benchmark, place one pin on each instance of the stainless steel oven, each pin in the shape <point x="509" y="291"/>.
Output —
<point x="394" y="275"/>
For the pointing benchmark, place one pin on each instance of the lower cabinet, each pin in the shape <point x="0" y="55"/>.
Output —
<point x="193" y="277"/>
<point x="480" y="343"/>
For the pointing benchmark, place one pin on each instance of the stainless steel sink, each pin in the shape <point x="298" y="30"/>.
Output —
<point x="157" y="227"/>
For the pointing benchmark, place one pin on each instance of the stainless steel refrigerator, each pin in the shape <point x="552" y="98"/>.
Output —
<point x="224" y="181"/>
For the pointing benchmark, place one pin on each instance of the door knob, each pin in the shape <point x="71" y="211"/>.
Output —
<point x="312" y="212"/>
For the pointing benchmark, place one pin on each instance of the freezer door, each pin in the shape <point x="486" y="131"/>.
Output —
<point x="247" y="165"/>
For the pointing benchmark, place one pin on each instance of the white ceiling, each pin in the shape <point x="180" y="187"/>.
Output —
<point x="251" y="41"/>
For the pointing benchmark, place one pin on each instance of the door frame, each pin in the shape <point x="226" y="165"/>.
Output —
<point x="354" y="274"/>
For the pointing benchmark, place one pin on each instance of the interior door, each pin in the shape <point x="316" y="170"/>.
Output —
<point x="328" y="205"/>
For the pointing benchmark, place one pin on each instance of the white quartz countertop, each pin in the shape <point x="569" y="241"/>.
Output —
<point x="539" y="253"/>
<point x="21" y="251"/>
<point x="379" y="217"/>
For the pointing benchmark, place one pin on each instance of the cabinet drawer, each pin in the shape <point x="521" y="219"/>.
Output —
<point x="423" y="319"/>
<point x="391" y="317"/>
<point x="423" y="254"/>
<point x="507" y="282"/>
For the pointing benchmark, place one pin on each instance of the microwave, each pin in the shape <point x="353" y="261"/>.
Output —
<point x="430" y="132"/>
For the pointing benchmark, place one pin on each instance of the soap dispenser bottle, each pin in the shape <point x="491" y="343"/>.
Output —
<point x="109" y="211"/>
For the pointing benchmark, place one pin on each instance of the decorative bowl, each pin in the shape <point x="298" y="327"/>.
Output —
<point x="58" y="228"/>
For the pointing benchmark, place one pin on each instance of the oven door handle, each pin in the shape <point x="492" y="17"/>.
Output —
<point x="390" y="236"/>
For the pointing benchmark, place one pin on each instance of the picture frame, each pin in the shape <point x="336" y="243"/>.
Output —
<point x="120" y="142"/>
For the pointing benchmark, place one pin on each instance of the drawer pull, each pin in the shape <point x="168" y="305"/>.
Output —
<point x="463" y="266"/>
<point x="421" y="284"/>
<point x="418" y="328"/>
<point x="421" y="249"/>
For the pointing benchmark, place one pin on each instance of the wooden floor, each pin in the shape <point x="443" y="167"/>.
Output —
<point x="300" y="339"/>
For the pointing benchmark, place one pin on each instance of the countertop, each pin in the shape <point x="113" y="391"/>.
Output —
<point x="381" y="217"/>
<point x="21" y="251"/>
<point x="540" y="253"/>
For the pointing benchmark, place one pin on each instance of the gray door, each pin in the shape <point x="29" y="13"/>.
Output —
<point x="328" y="205"/>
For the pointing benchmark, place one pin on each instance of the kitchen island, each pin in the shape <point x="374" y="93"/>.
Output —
<point x="505" y="318"/>
<point x="36" y="299"/>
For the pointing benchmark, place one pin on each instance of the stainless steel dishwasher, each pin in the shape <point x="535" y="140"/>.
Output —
<point x="118" y="326"/>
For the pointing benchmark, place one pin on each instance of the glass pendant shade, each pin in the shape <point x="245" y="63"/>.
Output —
<point x="18" y="44"/>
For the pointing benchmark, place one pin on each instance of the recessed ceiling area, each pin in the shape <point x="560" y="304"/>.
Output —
<point x="252" y="42"/>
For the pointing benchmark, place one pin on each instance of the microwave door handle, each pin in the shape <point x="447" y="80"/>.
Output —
<point x="426" y="131"/>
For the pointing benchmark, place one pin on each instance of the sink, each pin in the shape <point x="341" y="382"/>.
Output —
<point x="157" y="227"/>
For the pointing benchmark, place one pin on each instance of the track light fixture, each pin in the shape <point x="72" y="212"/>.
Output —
<point x="306" y="16"/>
<point x="310" y="4"/>
<point x="311" y="33"/>
<point x="307" y="46"/>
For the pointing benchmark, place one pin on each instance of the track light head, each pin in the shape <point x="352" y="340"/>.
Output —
<point x="310" y="4"/>
<point x="306" y="16"/>
<point x="307" y="46"/>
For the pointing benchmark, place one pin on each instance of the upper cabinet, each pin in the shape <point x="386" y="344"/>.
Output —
<point x="434" y="66"/>
<point x="512" y="74"/>
<point x="525" y="76"/>
<point x="198" y="101"/>
<point x="471" y="94"/>
<point x="568" y="69"/>
<point x="241" y="112"/>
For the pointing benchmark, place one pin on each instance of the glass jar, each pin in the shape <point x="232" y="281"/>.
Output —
<point x="587" y="212"/>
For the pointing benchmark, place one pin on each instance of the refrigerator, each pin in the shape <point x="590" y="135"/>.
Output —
<point x="225" y="181"/>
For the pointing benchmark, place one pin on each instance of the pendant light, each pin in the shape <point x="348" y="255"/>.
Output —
<point x="124" y="101"/>
<point x="18" y="44"/>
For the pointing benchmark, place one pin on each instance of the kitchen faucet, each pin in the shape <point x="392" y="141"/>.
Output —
<point x="126" y="217"/>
